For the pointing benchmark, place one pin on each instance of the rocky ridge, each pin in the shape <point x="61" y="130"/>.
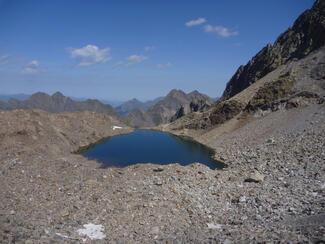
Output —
<point x="174" y="105"/>
<point x="305" y="36"/>
<point x="135" y="105"/>
<point x="57" y="103"/>
<point x="298" y="83"/>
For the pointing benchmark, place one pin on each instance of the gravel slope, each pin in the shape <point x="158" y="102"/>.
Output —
<point x="273" y="189"/>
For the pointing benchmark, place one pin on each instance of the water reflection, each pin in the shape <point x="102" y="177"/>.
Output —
<point x="149" y="146"/>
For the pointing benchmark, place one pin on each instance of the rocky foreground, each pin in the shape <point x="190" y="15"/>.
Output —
<point x="272" y="190"/>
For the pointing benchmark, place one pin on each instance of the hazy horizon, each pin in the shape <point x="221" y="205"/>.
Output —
<point x="115" y="102"/>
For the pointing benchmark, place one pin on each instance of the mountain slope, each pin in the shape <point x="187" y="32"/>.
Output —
<point x="298" y="84"/>
<point x="129" y="106"/>
<point x="165" y="110"/>
<point x="57" y="103"/>
<point x="298" y="80"/>
<point x="306" y="35"/>
<point x="134" y="104"/>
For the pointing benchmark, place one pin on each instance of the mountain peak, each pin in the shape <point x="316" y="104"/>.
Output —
<point x="195" y="92"/>
<point x="176" y="92"/>
<point x="134" y="100"/>
<point x="57" y="94"/>
<point x="39" y="95"/>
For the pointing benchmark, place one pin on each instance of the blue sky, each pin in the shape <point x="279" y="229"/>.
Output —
<point x="138" y="48"/>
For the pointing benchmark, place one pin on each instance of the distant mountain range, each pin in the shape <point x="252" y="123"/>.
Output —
<point x="134" y="104"/>
<point x="176" y="104"/>
<point x="20" y="96"/>
<point x="136" y="113"/>
<point x="56" y="103"/>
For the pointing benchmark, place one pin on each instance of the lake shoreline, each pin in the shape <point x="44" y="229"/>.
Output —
<point x="150" y="144"/>
<point x="262" y="195"/>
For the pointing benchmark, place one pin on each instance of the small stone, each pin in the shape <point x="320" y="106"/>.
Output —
<point x="158" y="169"/>
<point x="255" y="177"/>
<point x="242" y="199"/>
<point x="270" y="140"/>
<point x="227" y="241"/>
<point x="155" y="230"/>
<point x="157" y="182"/>
<point x="322" y="186"/>
<point x="65" y="213"/>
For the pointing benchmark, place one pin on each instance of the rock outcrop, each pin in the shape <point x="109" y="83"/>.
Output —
<point x="216" y="115"/>
<point x="173" y="106"/>
<point x="305" y="36"/>
<point x="271" y="92"/>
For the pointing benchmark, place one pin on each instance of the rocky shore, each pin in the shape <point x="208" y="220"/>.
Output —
<point x="272" y="190"/>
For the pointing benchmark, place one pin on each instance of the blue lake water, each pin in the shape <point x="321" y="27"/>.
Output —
<point x="150" y="146"/>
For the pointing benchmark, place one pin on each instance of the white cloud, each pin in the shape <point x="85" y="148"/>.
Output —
<point x="149" y="48"/>
<point x="220" y="31"/>
<point x="195" y="22"/>
<point x="131" y="60"/>
<point x="119" y="64"/>
<point x="134" y="59"/>
<point x="164" y="66"/>
<point x="32" y="68"/>
<point x="90" y="54"/>
<point x="4" y="59"/>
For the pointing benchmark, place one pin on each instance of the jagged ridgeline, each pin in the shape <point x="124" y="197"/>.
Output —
<point x="305" y="36"/>
<point x="169" y="108"/>
<point x="57" y="103"/>
<point x="136" y="113"/>
<point x="288" y="74"/>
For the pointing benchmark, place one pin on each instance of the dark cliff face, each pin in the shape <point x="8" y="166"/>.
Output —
<point x="174" y="105"/>
<point x="306" y="35"/>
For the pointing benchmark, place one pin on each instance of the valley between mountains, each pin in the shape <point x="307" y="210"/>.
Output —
<point x="268" y="128"/>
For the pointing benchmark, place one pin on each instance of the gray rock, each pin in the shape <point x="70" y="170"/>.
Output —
<point x="255" y="177"/>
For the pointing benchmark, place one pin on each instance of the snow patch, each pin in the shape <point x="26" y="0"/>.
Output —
<point x="214" y="226"/>
<point x="63" y="236"/>
<point x="94" y="232"/>
<point x="116" y="127"/>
